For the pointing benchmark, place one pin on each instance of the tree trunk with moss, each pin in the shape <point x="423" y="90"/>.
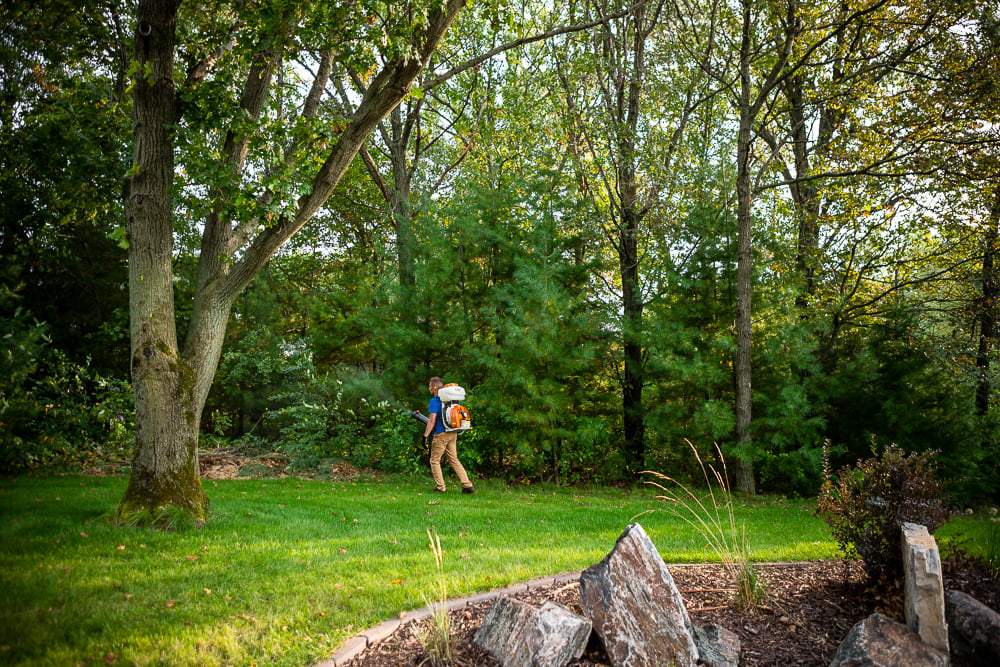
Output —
<point x="172" y="382"/>
<point x="165" y="463"/>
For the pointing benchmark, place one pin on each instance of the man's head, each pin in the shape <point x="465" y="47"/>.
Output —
<point x="434" y="384"/>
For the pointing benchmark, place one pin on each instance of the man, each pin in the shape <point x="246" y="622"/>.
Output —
<point x="442" y="442"/>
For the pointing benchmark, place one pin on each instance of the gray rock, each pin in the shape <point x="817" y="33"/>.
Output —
<point x="924" y="586"/>
<point x="974" y="628"/>
<point x="518" y="634"/>
<point x="717" y="647"/>
<point x="635" y="607"/>
<point x="878" y="641"/>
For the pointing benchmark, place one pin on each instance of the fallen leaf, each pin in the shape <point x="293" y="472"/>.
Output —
<point x="321" y="613"/>
<point x="397" y="581"/>
<point x="342" y="550"/>
<point x="83" y="534"/>
<point x="208" y="591"/>
<point x="190" y="557"/>
<point x="109" y="658"/>
<point x="170" y="603"/>
<point x="402" y="615"/>
<point x="129" y="596"/>
<point x="120" y="547"/>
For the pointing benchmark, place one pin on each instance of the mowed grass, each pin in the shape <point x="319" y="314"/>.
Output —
<point x="288" y="569"/>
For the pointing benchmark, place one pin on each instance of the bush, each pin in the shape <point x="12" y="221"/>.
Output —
<point x="59" y="415"/>
<point x="869" y="503"/>
<point x="324" y="418"/>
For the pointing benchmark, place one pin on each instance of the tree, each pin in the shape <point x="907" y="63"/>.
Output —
<point x="617" y="108"/>
<point x="63" y="147"/>
<point x="255" y="205"/>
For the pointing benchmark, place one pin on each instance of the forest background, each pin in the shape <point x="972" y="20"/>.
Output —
<point x="619" y="225"/>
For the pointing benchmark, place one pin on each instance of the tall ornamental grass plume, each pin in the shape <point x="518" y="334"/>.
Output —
<point x="435" y="638"/>
<point x="867" y="504"/>
<point x="715" y="520"/>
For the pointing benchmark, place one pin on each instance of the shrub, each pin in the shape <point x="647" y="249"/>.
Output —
<point x="869" y="503"/>
<point x="56" y="414"/>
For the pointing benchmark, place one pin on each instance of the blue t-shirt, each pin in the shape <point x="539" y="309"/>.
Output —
<point x="434" y="408"/>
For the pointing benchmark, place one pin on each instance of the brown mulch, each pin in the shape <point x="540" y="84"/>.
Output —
<point x="808" y="610"/>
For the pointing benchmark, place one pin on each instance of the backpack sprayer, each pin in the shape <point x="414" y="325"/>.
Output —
<point x="454" y="416"/>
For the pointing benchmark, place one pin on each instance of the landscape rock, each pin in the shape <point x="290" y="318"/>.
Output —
<point x="878" y="641"/>
<point x="974" y="628"/>
<point x="717" y="647"/>
<point x="924" y="586"/>
<point x="635" y="607"/>
<point x="518" y="634"/>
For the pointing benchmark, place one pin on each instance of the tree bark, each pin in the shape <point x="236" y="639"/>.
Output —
<point x="743" y="464"/>
<point x="165" y="462"/>
<point x="632" y="407"/>
<point x="988" y="310"/>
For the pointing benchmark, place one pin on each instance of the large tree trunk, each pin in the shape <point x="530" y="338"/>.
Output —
<point x="988" y="310"/>
<point x="399" y="201"/>
<point x="165" y="463"/>
<point x="742" y="464"/>
<point x="805" y="195"/>
<point x="632" y="306"/>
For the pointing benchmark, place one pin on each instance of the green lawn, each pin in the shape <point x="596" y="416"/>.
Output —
<point x="287" y="569"/>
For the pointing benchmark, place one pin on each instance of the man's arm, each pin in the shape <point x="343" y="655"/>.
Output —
<point x="431" y="420"/>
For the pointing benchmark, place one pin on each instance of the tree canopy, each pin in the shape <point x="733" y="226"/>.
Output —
<point x="619" y="224"/>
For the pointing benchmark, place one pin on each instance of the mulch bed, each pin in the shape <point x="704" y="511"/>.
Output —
<point x="808" y="610"/>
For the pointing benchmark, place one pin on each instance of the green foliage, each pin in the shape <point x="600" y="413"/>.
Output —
<point x="55" y="413"/>
<point x="868" y="504"/>
<point x="890" y="382"/>
<point x="63" y="128"/>
<point x="322" y="417"/>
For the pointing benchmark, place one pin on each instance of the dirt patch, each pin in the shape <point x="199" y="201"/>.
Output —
<point x="271" y="466"/>
<point x="225" y="465"/>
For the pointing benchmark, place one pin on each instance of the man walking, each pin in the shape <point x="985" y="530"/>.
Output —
<point x="443" y="442"/>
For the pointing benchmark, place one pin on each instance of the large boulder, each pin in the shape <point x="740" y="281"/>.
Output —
<point x="878" y="641"/>
<point x="975" y="629"/>
<point x="518" y="634"/>
<point x="636" y="609"/>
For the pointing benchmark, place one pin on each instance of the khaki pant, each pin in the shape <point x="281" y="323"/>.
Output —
<point x="446" y="444"/>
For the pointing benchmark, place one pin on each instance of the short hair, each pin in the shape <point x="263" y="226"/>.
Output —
<point x="436" y="380"/>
